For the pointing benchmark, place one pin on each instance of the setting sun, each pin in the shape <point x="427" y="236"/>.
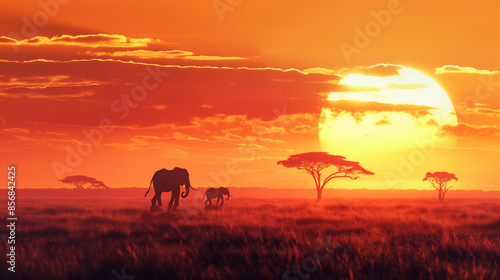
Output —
<point x="379" y="114"/>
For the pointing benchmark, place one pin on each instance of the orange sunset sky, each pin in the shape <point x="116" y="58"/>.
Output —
<point x="119" y="89"/>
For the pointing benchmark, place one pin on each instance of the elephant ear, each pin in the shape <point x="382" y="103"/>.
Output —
<point x="182" y="171"/>
<point x="183" y="176"/>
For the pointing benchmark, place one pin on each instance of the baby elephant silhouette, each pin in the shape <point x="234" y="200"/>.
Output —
<point x="216" y="193"/>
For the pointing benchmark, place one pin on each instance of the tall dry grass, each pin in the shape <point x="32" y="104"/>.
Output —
<point x="257" y="239"/>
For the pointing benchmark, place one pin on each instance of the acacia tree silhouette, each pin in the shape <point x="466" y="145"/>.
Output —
<point x="98" y="184"/>
<point x="439" y="181"/>
<point x="80" y="180"/>
<point x="315" y="162"/>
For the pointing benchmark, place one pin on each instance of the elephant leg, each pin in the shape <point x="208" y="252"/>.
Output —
<point x="159" y="199"/>
<point x="153" y="200"/>
<point x="222" y="202"/>
<point x="171" y="202"/>
<point x="175" y="197"/>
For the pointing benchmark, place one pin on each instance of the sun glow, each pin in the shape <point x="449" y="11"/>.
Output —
<point x="409" y="87"/>
<point x="380" y="115"/>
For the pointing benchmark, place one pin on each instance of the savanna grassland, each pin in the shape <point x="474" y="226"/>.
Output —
<point x="88" y="238"/>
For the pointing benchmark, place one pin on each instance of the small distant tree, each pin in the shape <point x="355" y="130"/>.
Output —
<point x="80" y="180"/>
<point x="315" y="162"/>
<point x="439" y="181"/>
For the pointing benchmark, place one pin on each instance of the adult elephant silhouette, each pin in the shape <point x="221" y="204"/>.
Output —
<point x="169" y="181"/>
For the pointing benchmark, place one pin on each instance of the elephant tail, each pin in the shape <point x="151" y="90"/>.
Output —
<point x="204" y="195"/>
<point x="149" y="187"/>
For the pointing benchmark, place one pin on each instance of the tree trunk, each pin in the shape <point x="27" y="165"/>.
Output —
<point x="318" y="192"/>
<point x="441" y="196"/>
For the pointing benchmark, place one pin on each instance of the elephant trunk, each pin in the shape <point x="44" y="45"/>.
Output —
<point x="188" y="186"/>
<point x="186" y="193"/>
<point x="228" y="195"/>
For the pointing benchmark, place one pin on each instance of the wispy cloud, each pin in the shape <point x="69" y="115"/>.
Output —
<point x="42" y="82"/>
<point x="162" y="54"/>
<point x="42" y="60"/>
<point x="453" y="69"/>
<point x="60" y="97"/>
<point x="479" y="109"/>
<point x="360" y="108"/>
<point x="379" y="70"/>
<point x="16" y="130"/>
<point x="470" y="131"/>
<point x="88" y="41"/>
